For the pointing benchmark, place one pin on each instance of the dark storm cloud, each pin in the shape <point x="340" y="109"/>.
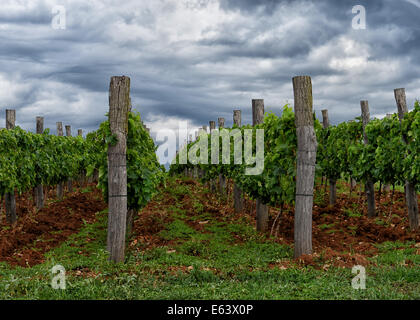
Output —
<point x="190" y="60"/>
<point x="41" y="14"/>
<point x="251" y="5"/>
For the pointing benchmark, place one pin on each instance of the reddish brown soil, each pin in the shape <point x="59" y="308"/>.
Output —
<point x="345" y="241"/>
<point x="338" y="239"/>
<point x="35" y="233"/>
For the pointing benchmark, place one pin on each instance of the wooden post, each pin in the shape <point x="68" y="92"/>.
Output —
<point x="10" y="119"/>
<point x="369" y="186"/>
<point x="221" y="123"/>
<point x="237" y="118"/>
<point x="212" y="125"/>
<point x="9" y="198"/>
<point x="333" y="182"/>
<point x="69" y="181"/>
<point x="59" y="129"/>
<point x="257" y="111"/>
<point x="80" y="132"/>
<point x="238" y="200"/>
<point x="410" y="188"/>
<point x="325" y="119"/>
<point x="261" y="208"/>
<point x="119" y="105"/>
<point x="68" y="131"/>
<point x="39" y="190"/>
<point x="306" y="158"/>
<point x="60" y="185"/>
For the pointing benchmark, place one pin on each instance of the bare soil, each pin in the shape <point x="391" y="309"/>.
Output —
<point x="37" y="232"/>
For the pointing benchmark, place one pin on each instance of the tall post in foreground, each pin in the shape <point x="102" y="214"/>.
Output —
<point x="69" y="181"/>
<point x="261" y="208"/>
<point x="39" y="190"/>
<point x="369" y="186"/>
<point x="306" y="158"/>
<point x="60" y="185"/>
<point x="119" y="105"/>
<point x="238" y="200"/>
<point x="333" y="182"/>
<point x="10" y="199"/>
<point x="410" y="188"/>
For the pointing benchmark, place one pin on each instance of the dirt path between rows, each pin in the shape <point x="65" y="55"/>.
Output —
<point x="35" y="233"/>
<point x="339" y="239"/>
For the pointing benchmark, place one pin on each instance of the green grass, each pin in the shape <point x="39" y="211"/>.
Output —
<point x="352" y="213"/>
<point x="212" y="264"/>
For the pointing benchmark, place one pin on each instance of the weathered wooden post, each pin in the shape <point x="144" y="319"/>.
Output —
<point x="410" y="188"/>
<point x="39" y="190"/>
<point x="68" y="131"/>
<point x="333" y="182"/>
<point x="9" y="198"/>
<point x="10" y="119"/>
<point x="238" y="200"/>
<point x="59" y="129"/>
<point x="237" y="118"/>
<point x="261" y="208"/>
<point x="306" y="158"/>
<point x="80" y="132"/>
<point x="60" y="185"/>
<point x="221" y="123"/>
<point x="212" y="125"/>
<point x="119" y="105"/>
<point x="369" y="186"/>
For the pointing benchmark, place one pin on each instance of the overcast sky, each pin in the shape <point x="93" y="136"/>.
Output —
<point x="199" y="60"/>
